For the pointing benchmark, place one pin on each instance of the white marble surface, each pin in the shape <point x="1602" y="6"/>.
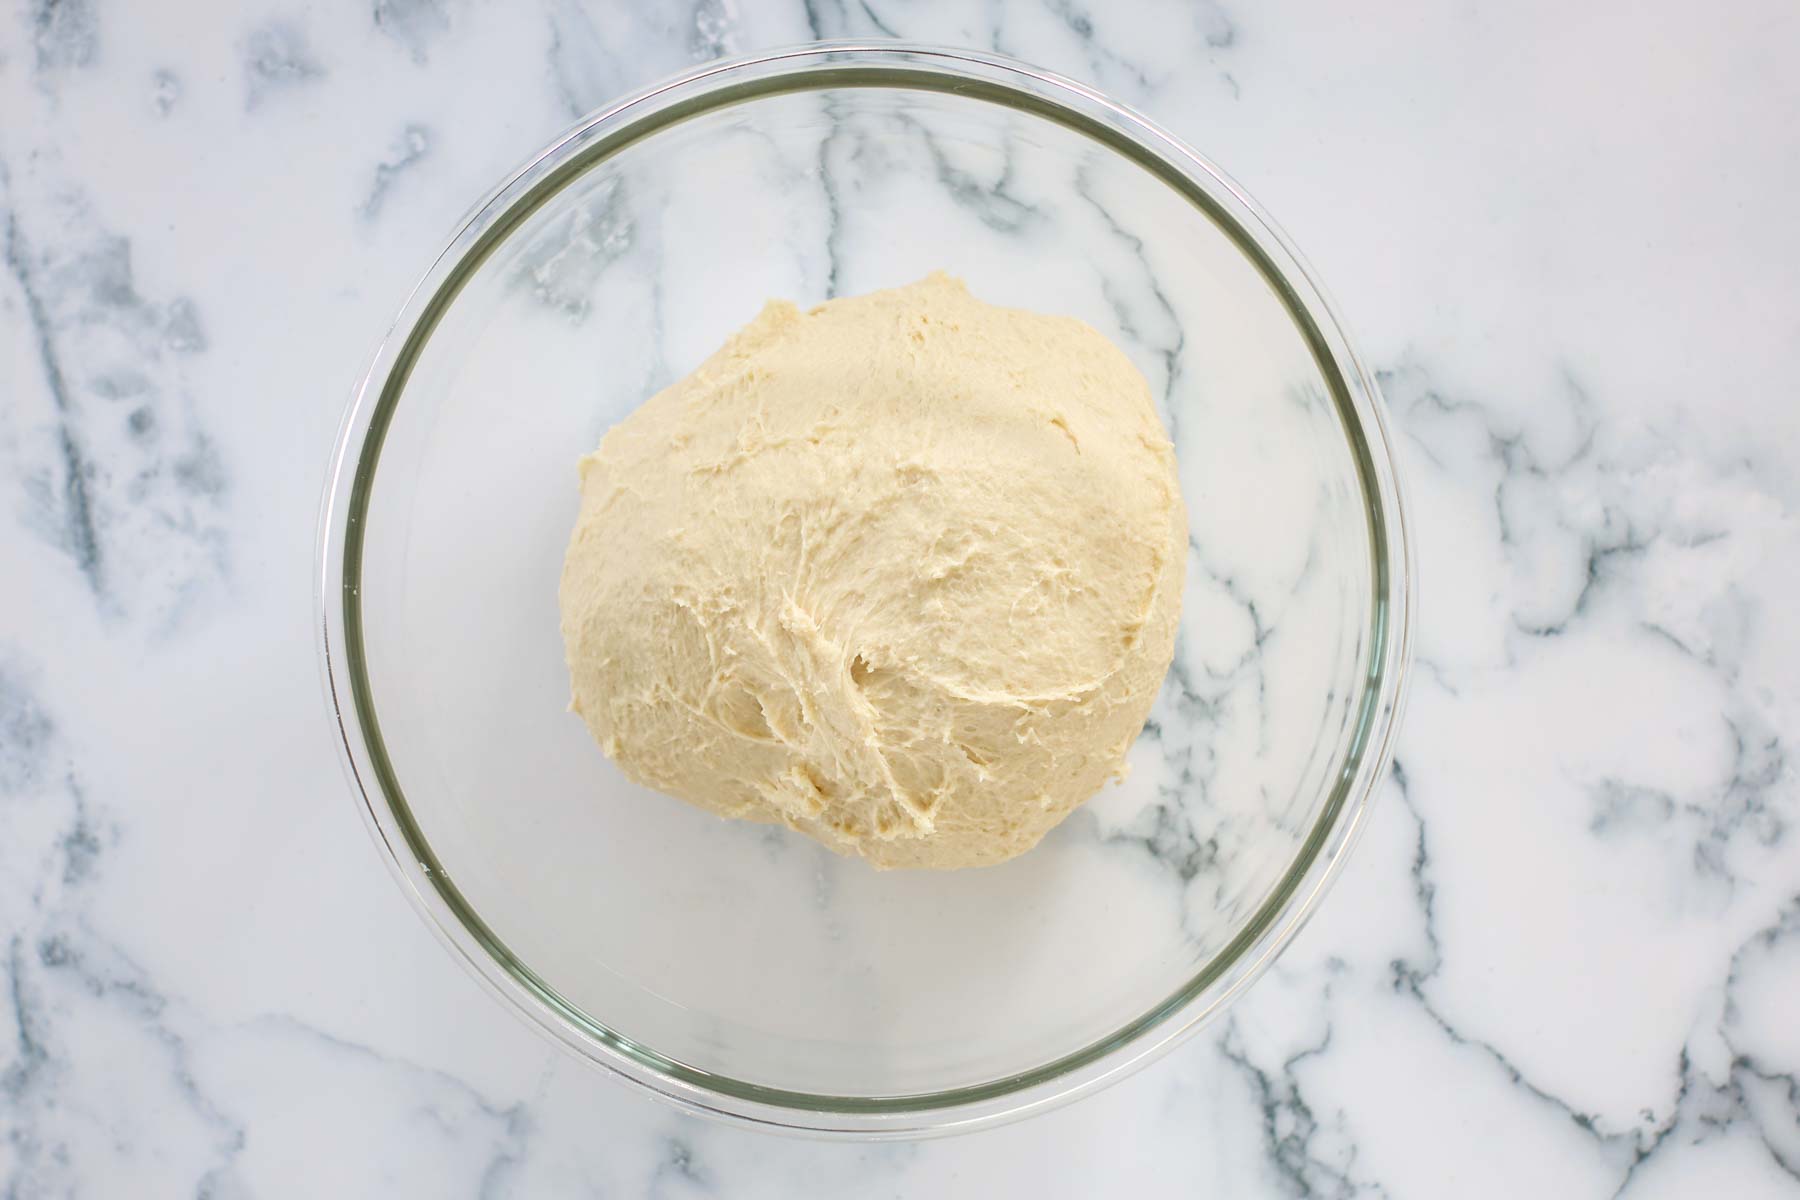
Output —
<point x="1564" y="960"/>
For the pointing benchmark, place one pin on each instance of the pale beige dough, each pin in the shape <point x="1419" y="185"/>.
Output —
<point x="901" y="572"/>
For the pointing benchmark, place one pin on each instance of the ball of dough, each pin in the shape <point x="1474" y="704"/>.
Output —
<point x="901" y="572"/>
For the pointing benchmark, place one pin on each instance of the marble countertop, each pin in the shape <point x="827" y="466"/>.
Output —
<point x="1564" y="959"/>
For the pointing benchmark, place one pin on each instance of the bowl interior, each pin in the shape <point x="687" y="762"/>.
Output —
<point x="747" y="953"/>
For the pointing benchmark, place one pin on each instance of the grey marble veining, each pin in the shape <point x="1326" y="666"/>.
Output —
<point x="1563" y="960"/>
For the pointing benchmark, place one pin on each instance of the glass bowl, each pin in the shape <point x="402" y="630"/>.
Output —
<point x="741" y="970"/>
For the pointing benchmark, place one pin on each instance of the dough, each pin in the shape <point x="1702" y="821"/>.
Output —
<point x="901" y="572"/>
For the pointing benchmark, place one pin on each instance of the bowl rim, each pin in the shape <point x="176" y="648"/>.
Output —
<point x="805" y="68"/>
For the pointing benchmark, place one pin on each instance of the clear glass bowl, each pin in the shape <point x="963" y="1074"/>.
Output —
<point x="742" y="970"/>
